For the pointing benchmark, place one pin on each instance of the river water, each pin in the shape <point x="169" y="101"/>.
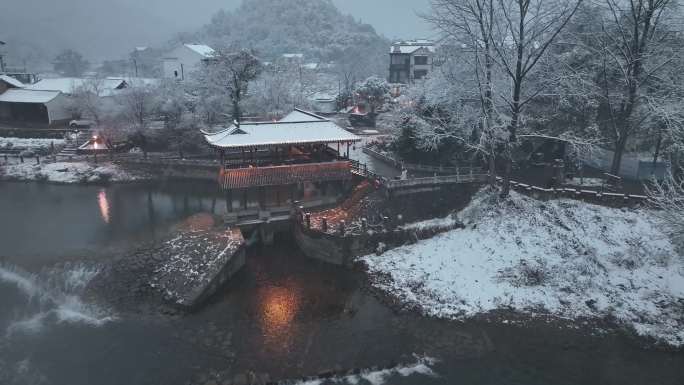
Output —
<point x="283" y="314"/>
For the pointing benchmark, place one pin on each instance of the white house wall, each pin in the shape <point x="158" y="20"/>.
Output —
<point x="181" y="61"/>
<point x="58" y="110"/>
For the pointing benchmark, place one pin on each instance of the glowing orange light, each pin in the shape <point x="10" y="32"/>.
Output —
<point x="278" y="309"/>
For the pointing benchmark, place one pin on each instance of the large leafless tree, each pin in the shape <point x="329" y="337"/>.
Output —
<point x="523" y="37"/>
<point x="470" y="24"/>
<point x="633" y="44"/>
<point x="230" y="72"/>
<point x="512" y="37"/>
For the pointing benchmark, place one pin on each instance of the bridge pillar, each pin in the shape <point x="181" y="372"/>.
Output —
<point x="266" y="234"/>
<point x="261" y="197"/>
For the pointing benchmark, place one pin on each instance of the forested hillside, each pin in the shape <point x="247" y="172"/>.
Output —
<point x="315" y="28"/>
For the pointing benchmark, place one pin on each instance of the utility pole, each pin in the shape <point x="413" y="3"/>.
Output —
<point x="135" y="63"/>
<point x="2" y="58"/>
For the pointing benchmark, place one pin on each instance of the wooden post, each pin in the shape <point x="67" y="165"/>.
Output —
<point x="37" y="159"/>
<point x="229" y="200"/>
<point x="307" y="218"/>
<point x="324" y="224"/>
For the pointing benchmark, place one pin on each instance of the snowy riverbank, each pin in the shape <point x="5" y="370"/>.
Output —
<point x="29" y="143"/>
<point x="66" y="172"/>
<point x="567" y="258"/>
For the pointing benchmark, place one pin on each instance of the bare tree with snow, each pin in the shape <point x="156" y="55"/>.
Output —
<point x="634" y="48"/>
<point x="524" y="35"/>
<point x="470" y="24"/>
<point x="87" y="100"/>
<point x="230" y="72"/>
<point x="667" y="198"/>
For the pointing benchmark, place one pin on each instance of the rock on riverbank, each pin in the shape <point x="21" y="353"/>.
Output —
<point x="565" y="258"/>
<point x="197" y="263"/>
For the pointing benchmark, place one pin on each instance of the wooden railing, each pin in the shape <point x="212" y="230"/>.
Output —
<point x="362" y="170"/>
<point x="437" y="180"/>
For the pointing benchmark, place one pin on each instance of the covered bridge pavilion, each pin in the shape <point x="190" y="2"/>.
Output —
<point x="302" y="157"/>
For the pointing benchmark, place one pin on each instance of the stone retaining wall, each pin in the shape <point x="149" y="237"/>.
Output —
<point x="589" y="196"/>
<point x="342" y="249"/>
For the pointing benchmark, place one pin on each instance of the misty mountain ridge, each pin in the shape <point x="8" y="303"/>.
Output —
<point x="315" y="28"/>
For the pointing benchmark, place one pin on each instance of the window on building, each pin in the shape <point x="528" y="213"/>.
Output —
<point x="421" y="60"/>
<point x="175" y="73"/>
<point x="419" y="74"/>
<point x="399" y="59"/>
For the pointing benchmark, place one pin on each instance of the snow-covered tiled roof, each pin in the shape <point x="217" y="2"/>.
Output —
<point x="411" y="46"/>
<point x="293" y="55"/>
<point x="298" y="127"/>
<point x="11" y="81"/>
<point x="69" y="85"/>
<point x="28" y="96"/>
<point x="201" y="49"/>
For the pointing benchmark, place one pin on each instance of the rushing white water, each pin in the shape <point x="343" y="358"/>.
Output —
<point x="51" y="297"/>
<point x="380" y="377"/>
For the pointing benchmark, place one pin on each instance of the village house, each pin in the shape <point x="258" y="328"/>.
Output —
<point x="44" y="108"/>
<point x="184" y="59"/>
<point x="8" y="82"/>
<point x="47" y="102"/>
<point x="19" y="105"/>
<point x="69" y="86"/>
<point x="410" y="60"/>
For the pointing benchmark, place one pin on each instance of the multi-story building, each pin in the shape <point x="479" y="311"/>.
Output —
<point x="411" y="60"/>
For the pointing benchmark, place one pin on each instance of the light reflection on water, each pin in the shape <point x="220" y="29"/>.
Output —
<point x="103" y="203"/>
<point x="279" y="306"/>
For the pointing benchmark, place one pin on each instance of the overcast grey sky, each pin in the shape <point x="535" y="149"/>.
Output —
<point x="107" y="29"/>
<point x="393" y="18"/>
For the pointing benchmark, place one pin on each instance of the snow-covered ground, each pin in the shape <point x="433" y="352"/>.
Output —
<point x="29" y="143"/>
<point x="422" y="367"/>
<point x="448" y="221"/>
<point x="65" y="172"/>
<point x="564" y="257"/>
<point x="587" y="182"/>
